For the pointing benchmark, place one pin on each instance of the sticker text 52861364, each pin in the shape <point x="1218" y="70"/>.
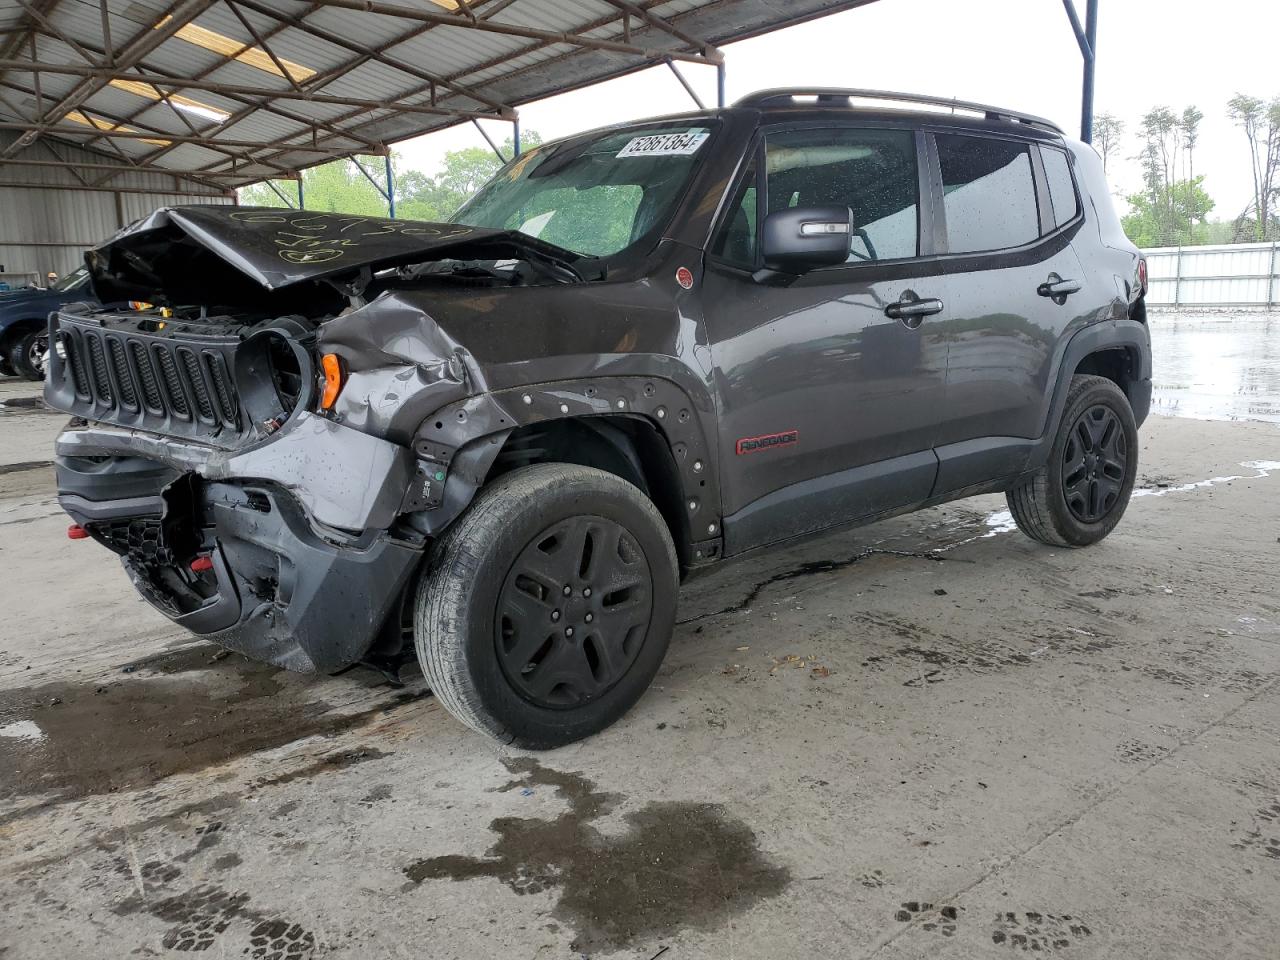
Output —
<point x="666" y="144"/>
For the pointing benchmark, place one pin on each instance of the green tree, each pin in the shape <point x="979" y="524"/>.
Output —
<point x="337" y="187"/>
<point x="424" y="197"/>
<point x="1176" y="215"/>
<point x="1189" y="127"/>
<point x="340" y="187"/>
<point x="1107" y="131"/>
<point x="1260" y="120"/>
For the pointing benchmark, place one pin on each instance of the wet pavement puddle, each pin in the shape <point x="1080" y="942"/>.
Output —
<point x="175" y="713"/>
<point x="678" y="865"/>
<point x="1216" y="368"/>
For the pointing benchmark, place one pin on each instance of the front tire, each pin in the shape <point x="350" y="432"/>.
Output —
<point x="27" y="354"/>
<point x="1080" y="494"/>
<point x="546" y="609"/>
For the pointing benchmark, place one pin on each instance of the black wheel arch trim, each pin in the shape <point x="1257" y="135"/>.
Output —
<point x="1128" y="335"/>
<point x="464" y="438"/>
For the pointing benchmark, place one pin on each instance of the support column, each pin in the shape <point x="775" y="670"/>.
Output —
<point x="515" y="135"/>
<point x="391" y="187"/>
<point x="1091" y="60"/>
<point x="301" y="198"/>
<point x="720" y="85"/>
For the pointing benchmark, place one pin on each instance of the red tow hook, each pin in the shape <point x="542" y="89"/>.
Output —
<point x="202" y="564"/>
<point x="77" y="532"/>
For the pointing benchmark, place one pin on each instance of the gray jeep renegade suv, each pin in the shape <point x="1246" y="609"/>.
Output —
<point x="503" y="441"/>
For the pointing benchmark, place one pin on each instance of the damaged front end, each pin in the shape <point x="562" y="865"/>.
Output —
<point x="200" y="451"/>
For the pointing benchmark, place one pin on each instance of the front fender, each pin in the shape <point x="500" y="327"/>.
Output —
<point x="459" y="437"/>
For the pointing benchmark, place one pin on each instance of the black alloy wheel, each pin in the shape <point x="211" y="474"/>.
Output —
<point x="1094" y="464"/>
<point x="573" y="612"/>
<point x="543" y="613"/>
<point x="1080" y="492"/>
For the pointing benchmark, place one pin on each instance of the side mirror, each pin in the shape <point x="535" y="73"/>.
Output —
<point x="801" y="239"/>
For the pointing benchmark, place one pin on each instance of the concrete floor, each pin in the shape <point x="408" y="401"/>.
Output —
<point x="927" y="738"/>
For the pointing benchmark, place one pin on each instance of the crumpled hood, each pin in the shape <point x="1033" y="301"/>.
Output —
<point x="230" y="255"/>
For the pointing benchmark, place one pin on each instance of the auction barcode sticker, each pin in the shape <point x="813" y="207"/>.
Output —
<point x="665" y="144"/>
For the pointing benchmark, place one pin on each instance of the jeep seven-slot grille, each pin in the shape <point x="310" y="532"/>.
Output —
<point x="175" y="385"/>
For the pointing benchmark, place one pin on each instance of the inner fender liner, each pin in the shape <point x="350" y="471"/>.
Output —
<point x="300" y="602"/>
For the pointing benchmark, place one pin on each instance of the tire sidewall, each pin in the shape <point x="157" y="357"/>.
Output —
<point x="588" y="493"/>
<point x="1070" y="527"/>
<point x="20" y="355"/>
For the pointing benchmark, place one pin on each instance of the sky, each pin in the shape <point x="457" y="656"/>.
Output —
<point x="1019" y="54"/>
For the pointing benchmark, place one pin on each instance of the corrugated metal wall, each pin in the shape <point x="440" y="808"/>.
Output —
<point x="48" y="222"/>
<point x="1238" y="275"/>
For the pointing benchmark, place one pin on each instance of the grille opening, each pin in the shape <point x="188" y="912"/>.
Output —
<point x="272" y="378"/>
<point x="285" y="373"/>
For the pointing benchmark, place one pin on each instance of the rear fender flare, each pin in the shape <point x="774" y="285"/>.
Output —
<point x="464" y="438"/>
<point x="1128" y="335"/>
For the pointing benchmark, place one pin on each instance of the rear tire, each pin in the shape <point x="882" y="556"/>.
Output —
<point x="505" y="648"/>
<point x="1081" y="492"/>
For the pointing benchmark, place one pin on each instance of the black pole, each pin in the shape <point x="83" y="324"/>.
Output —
<point x="1090" y="61"/>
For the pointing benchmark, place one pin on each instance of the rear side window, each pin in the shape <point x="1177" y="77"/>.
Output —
<point x="1062" y="189"/>
<point x="989" y="193"/>
<point x="873" y="172"/>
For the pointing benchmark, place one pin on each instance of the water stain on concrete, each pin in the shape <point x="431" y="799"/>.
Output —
<point x="328" y="763"/>
<point x="680" y="865"/>
<point x="121" y="733"/>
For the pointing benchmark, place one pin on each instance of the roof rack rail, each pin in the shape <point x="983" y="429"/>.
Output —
<point x="834" y="96"/>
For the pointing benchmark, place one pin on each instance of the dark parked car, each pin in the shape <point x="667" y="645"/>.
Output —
<point x="24" y="322"/>
<point x="635" y="353"/>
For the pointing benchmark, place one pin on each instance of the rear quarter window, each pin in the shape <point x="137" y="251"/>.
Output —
<point x="1062" y="188"/>
<point x="989" y="193"/>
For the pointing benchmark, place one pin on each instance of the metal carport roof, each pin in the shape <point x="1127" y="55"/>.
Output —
<point x="229" y="92"/>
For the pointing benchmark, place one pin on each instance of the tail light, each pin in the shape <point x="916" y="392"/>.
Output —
<point x="1142" y="275"/>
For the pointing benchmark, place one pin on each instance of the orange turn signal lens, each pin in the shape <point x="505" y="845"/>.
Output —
<point x="334" y="377"/>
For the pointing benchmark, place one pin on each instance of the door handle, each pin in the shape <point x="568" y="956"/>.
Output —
<point x="912" y="310"/>
<point x="1057" y="289"/>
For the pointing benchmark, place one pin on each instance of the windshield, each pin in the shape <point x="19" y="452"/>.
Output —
<point x="594" y="196"/>
<point x="70" y="281"/>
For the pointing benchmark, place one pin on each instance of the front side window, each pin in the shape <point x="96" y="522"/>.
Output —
<point x="593" y="196"/>
<point x="989" y="193"/>
<point x="872" y="172"/>
<point x="1062" y="190"/>
<point x="737" y="240"/>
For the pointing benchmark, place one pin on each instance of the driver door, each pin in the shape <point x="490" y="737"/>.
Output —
<point x="827" y="404"/>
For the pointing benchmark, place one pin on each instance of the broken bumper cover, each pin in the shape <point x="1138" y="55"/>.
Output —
<point x="287" y="597"/>
<point x="281" y="583"/>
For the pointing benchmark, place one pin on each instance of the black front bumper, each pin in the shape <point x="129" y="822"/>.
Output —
<point x="275" y="591"/>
